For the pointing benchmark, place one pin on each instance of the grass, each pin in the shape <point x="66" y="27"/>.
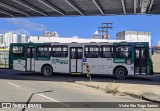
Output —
<point x="111" y="88"/>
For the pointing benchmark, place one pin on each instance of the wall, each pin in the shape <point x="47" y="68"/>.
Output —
<point x="134" y="36"/>
<point x="37" y="39"/>
<point x="156" y="62"/>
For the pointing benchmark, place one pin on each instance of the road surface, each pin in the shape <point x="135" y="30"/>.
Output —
<point x="33" y="87"/>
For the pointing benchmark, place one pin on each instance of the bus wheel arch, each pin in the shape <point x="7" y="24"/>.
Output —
<point x="47" y="70"/>
<point x="120" y="72"/>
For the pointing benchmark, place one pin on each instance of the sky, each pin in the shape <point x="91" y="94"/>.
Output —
<point x="82" y="26"/>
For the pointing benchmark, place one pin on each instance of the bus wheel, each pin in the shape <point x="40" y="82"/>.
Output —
<point x="47" y="70"/>
<point x="121" y="73"/>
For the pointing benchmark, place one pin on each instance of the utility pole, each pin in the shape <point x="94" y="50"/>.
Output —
<point x="5" y="53"/>
<point x="103" y="29"/>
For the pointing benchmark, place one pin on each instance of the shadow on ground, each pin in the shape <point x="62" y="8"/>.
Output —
<point x="32" y="76"/>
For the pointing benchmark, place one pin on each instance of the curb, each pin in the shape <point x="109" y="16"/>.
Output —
<point x="151" y="97"/>
<point x="137" y="96"/>
<point x="92" y="86"/>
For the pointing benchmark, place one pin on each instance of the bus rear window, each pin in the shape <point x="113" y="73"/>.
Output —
<point x="18" y="51"/>
<point x="123" y="51"/>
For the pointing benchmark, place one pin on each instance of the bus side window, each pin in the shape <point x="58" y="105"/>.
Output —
<point x="28" y="52"/>
<point x="80" y="54"/>
<point x="123" y="51"/>
<point x="59" y="51"/>
<point x="18" y="51"/>
<point x="91" y="51"/>
<point x="106" y="51"/>
<point x="73" y="53"/>
<point x="43" y="51"/>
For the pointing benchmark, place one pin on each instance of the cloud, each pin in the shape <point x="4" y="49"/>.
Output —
<point x="27" y="24"/>
<point x="21" y="32"/>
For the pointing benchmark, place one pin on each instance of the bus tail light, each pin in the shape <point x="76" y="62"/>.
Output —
<point x="128" y="62"/>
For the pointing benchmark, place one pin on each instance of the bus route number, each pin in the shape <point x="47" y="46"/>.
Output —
<point x="119" y="60"/>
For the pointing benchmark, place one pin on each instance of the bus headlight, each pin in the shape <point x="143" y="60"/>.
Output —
<point x="128" y="62"/>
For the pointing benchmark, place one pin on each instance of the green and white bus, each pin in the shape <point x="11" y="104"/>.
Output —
<point x="120" y="59"/>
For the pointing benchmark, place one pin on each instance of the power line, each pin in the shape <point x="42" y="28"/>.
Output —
<point x="103" y="29"/>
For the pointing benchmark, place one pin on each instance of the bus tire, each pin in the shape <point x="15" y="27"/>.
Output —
<point x="121" y="73"/>
<point x="47" y="70"/>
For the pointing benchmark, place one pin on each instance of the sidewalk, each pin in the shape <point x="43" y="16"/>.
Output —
<point x="146" y="91"/>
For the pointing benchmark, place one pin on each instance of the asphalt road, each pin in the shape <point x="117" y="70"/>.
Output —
<point x="33" y="87"/>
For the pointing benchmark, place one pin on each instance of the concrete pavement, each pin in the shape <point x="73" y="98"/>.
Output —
<point x="148" y="89"/>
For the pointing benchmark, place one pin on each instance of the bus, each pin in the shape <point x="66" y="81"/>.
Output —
<point x="120" y="59"/>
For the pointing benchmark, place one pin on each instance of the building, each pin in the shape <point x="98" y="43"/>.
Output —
<point x="50" y="34"/>
<point x="19" y="39"/>
<point x="158" y="44"/>
<point x="14" y="38"/>
<point x="22" y="39"/>
<point x="1" y="38"/>
<point x="54" y="34"/>
<point x="8" y="38"/>
<point x="96" y="35"/>
<point x="5" y="40"/>
<point x="46" y="34"/>
<point x="134" y="36"/>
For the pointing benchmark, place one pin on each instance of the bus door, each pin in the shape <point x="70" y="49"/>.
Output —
<point x="140" y="60"/>
<point x="30" y="60"/>
<point x="76" y="55"/>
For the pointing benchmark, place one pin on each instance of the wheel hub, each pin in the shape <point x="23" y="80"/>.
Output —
<point x="47" y="71"/>
<point x="121" y="73"/>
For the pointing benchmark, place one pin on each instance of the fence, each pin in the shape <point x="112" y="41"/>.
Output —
<point x="4" y="58"/>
